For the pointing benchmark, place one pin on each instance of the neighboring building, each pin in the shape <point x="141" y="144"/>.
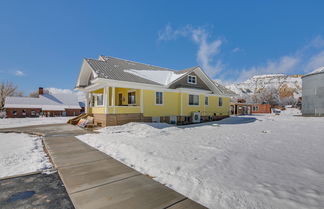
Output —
<point x="49" y="105"/>
<point x="120" y="91"/>
<point x="313" y="93"/>
<point x="241" y="109"/>
<point x="261" y="108"/>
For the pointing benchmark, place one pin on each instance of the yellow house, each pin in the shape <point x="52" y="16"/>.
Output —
<point x="120" y="91"/>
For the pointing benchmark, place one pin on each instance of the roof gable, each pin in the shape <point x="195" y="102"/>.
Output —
<point x="183" y="83"/>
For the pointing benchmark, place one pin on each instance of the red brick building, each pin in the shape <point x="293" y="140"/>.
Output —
<point x="261" y="108"/>
<point x="46" y="104"/>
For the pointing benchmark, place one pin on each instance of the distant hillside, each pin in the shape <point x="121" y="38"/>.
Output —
<point x="286" y="86"/>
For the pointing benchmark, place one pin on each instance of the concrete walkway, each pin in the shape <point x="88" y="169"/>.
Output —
<point x="95" y="180"/>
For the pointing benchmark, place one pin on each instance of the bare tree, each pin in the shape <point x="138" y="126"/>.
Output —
<point x="266" y="96"/>
<point x="8" y="89"/>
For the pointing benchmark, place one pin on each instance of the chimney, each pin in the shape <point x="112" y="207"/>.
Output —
<point x="40" y="91"/>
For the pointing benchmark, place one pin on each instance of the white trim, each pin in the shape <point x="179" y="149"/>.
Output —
<point x="113" y="99"/>
<point x="126" y="84"/>
<point x="188" y="76"/>
<point x="108" y="97"/>
<point x="105" y="103"/>
<point x="162" y="98"/>
<point x="131" y="91"/>
<point x="142" y="100"/>
<point x="86" y="108"/>
<point x="198" y="105"/>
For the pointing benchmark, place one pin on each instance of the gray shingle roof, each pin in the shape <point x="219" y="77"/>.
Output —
<point x="114" y="68"/>
<point x="120" y="69"/>
<point x="225" y="90"/>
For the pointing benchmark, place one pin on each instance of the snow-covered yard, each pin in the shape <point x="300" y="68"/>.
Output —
<point x="263" y="161"/>
<point x="19" y="122"/>
<point x="21" y="153"/>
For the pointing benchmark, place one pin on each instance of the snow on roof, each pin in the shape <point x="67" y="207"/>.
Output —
<point x="318" y="70"/>
<point x="45" y="102"/>
<point x="267" y="76"/>
<point x="159" y="76"/>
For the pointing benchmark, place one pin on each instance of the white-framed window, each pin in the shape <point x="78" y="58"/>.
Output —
<point x="14" y="112"/>
<point x="220" y="101"/>
<point x="159" y="98"/>
<point x="192" y="79"/>
<point x="33" y="113"/>
<point x="255" y="108"/>
<point x="99" y="100"/>
<point x="132" y="98"/>
<point x="193" y="99"/>
<point x="206" y="100"/>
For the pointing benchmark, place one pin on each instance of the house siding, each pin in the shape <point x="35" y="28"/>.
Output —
<point x="170" y="106"/>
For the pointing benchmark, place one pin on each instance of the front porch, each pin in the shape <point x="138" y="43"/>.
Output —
<point x="113" y="100"/>
<point x="115" y="105"/>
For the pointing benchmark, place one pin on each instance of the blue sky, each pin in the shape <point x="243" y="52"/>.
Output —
<point x="42" y="43"/>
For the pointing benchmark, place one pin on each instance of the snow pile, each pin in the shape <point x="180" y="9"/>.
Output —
<point x="248" y="162"/>
<point x="163" y="77"/>
<point x="20" y="122"/>
<point x="291" y="112"/>
<point x="21" y="153"/>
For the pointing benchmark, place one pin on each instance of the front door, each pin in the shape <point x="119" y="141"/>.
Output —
<point x="120" y="99"/>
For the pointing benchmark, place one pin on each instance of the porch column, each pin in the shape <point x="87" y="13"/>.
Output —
<point x="106" y="99"/>
<point x="86" y="103"/>
<point x="141" y="101"/>
<point x="113" y="98"/>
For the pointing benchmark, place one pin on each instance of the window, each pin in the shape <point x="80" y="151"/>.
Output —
<point x="206" y="100"/>
<point x="255" y="108"/>
<point x="193" y="99"/>
<point x="131" y="98"/>
<point x="24" y="112"/>
<point x="33" y="113"/>
<point x="192" y="79"/>
<point x="93" y="99"/>
<point x="220" y="102"/>
<point x="14" y="112"/>
<point x="99" y="99"/>
<point x="158" y="98"/>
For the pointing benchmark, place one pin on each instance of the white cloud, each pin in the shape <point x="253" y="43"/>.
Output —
<point x="168" y="33"/>
<point x="306" y="58"/>
<point x="19" y="73"/>
<point x="284" y="64"/>
<point x="315" y="62"/>
<point x="206" y="49"/>
<point x="237" y="49"/>
<point x="317" y="42"/>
